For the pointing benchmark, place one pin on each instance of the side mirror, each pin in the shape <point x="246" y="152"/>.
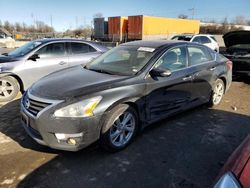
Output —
<point x="160" y="72"/>
<point x="34" y="57"/>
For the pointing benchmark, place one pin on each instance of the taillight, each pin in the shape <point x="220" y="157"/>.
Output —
<point x="229" y="65"/>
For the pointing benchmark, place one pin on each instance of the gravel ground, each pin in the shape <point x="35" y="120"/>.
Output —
<point x="186" y="150"/>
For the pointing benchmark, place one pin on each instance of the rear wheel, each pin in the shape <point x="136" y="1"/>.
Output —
<point x="122" y="126"/>
<point x="217" y="93"/>
<point x="9" y="88"/>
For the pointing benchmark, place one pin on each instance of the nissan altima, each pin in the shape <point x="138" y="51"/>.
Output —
<point x="116" y="95"/>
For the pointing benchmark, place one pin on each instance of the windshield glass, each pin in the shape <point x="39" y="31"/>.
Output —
<point x="23" y="50"/>
<point x="122" y="60"/>
<point x="185" y="38"/>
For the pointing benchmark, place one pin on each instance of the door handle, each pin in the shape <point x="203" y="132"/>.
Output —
<point x="187" y="78"/>
<point x="62" y="63"/>
<point x="213" y="68"/>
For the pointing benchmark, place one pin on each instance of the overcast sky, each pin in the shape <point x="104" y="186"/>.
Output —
<point x="67" y="14"/>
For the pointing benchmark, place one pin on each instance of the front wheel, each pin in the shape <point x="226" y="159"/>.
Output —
<point x="122" y="126"/>
<point x="217" y="93"/>
<point x="9" y="88"/>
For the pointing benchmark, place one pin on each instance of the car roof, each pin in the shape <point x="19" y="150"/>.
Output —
<point x="47" y="40"/>
<point x="152" y="43"/>
<point x="192" y="35"/>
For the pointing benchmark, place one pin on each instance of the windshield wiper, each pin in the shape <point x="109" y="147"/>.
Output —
<point x="101" y="71"/>
<point x="5" y="54"/>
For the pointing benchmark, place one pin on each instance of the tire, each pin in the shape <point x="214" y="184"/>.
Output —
<point x="217" y="93"/>
<point x="121" y="127"/>
<point x="9" y="88"/>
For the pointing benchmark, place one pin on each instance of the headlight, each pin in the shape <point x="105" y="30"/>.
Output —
<point x="227" y="181"/>
<point x="84" y="108"/>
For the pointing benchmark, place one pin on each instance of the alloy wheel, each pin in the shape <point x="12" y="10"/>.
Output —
<point x="218" y="93"/>
<point x="123" y="129"/>
<point x="6" y="88"/>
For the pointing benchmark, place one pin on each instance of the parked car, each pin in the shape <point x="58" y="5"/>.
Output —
<point x="238" y="51"/>
<point x="121" y="92"/>
<point x="207" y="40"/>
<point x="236" y="171"/>
<point x="25" y="65"/>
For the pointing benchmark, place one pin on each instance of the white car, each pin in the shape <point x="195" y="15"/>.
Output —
<point x="207" y="40"/>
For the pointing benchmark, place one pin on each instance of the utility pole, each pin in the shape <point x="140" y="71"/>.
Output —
<point x="51" y="21"/>
<point x="76" y="22"/>
<point x="192" y="12"/>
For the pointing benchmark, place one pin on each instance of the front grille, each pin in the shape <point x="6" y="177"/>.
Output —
<point x="34" y="106"/>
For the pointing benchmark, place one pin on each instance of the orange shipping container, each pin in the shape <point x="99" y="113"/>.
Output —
<point x="117" y="27"/>
<point x="148" y="27"/>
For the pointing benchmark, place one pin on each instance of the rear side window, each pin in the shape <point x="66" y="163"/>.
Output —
<point x="81" y="48"/>
<point x="204" y="40"/>
<point x="198" y="55"/>
<point x="52" y="50"/>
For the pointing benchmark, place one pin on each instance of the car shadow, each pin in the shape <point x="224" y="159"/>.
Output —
<point x="242" y="79"/>
<point x="186" y="150"/>
<point x="10" y="125"/>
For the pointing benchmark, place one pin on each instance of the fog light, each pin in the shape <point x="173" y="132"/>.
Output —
<point x="70" y="138"/>
<point x="71" y="141"/>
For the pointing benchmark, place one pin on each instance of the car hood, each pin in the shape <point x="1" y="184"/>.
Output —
<point x="236" y="37"/>
<point x="73" y="82"/>
<point x="7" y="59"/>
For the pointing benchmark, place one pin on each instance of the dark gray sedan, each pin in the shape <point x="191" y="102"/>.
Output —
<point x="25" y="65"/>
<point x="121" y="92"/>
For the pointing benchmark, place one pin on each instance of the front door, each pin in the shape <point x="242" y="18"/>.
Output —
<point x="52" y="57"/>
<point x="168" y="95"/>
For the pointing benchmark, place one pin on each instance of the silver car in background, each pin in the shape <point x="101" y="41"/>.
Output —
<point x="20" y="68"/>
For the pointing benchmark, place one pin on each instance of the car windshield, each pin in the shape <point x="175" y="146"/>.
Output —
<point x="213" y="38"/>
<point x="23" y="50"/>
<point x="122" y="60"/>
<point x="184" y="38"/>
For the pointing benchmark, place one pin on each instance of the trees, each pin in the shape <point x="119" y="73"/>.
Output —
<point x="39" y="27"/>
<point x="183" y="16"/>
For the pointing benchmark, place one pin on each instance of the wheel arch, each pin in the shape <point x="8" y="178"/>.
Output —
<point x="19" y="80"/>
<point x="128" y="101"/>
<point x="224" y="81"/>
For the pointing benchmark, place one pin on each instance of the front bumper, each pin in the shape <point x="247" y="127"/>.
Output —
<point x="43" y="128"/>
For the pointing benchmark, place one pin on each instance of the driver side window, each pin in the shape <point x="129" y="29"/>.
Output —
<point x="52" y="50"/>
<point x="174" y="59"/>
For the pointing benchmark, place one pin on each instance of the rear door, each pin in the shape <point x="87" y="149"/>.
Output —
<point x="52" y="57"/>
<point x="168" y="95"/>
<point x="203" y="67"/>
<point x="81" y="53"/>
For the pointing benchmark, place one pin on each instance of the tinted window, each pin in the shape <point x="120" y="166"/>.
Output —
<point x="198" y="55"/>
<point x="173" y="59"/>
<point x="205" y="40"/>
<point x="52" y="50"/>
<point x="81" y="48"/>
<point x="196" y="39"/>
